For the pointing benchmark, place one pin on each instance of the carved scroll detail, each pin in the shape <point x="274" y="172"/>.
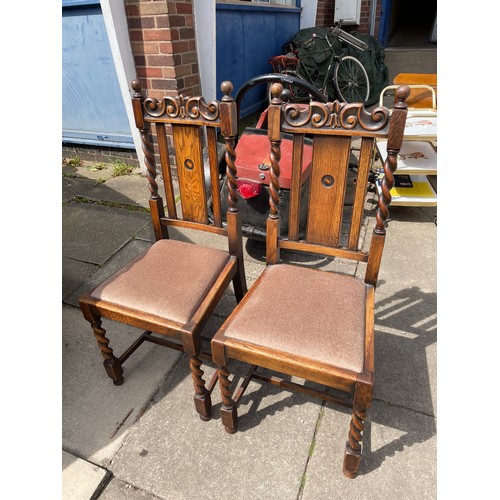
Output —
<point x="182" y="107"/>
<point x="335" y="114"/>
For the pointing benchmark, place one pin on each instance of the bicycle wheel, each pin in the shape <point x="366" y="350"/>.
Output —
<point x="350" y="80"/>
<point x="297" y="94"/>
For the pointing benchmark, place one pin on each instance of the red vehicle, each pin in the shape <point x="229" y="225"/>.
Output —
<point x="253" y="164"/>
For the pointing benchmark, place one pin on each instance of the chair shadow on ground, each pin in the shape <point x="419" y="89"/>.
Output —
<point x="405" y="326"/>
<point x="257" y="250"/>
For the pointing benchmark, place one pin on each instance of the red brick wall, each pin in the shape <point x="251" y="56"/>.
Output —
<point x="325" y="15"/>
<point x="324" y="12"/>
<point x="162" y="37"/>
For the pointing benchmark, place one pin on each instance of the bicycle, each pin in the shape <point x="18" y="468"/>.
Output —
<point x="348" y="76"/>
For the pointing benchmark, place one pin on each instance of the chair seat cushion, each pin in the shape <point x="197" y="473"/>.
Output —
<point x="169" y="279"/>
<point x="305" y="312"/>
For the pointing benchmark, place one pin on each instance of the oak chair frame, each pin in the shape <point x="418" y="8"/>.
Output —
<point x="188" y="117"/>
<point x="332" y="126"/>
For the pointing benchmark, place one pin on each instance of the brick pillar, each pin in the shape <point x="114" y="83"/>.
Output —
<point x="162" y="37"/>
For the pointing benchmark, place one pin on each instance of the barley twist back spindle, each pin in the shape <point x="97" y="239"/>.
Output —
<point x="229" y="130"/>
<point x="147" y="143"/>
<point x="393" y="146"/>
<point x="231" y="174"/>
<point x="275" y="156"/>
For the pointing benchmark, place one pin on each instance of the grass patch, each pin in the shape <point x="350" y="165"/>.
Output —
<point x="73" y="161"/>
<point x="312" y="447"/>
<point x="96" y="167"/>
<point x="121" y="168"/>
<point x="112" y="204"/>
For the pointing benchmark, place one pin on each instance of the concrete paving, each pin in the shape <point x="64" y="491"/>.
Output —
<point x="143" y="440"/>
<point x="81" y="479"/>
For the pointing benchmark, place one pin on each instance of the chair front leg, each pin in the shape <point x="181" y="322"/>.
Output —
<point x="202" y="398"/>
<point x="352" y="454"/>
<point x="228" y="412"/>
<point x="362" y="400"/>
<point x="111" y="363"/>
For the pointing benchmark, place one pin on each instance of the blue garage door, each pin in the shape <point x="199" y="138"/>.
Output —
<point x="92" y="106"/>
<point x="247" y="36"/>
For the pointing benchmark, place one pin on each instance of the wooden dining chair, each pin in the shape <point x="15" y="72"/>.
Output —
<point x="171" y="289"/>
<point x="305" y="322"/>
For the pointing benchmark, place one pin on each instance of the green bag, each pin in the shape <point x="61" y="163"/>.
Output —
<point x="315" y="57"/>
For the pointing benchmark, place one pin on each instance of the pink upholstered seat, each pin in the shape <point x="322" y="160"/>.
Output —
<point x="305" y="312"/>
<point x="169" y="280"/>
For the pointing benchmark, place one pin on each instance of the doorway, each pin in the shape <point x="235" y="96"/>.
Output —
<point x="408" y="24"/>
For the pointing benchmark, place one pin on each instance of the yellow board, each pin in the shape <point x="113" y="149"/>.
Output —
<point x="422" y="189"/>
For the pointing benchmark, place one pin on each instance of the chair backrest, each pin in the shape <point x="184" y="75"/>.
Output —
<point x="332" y="228"/>
<point x="194" y="124"/>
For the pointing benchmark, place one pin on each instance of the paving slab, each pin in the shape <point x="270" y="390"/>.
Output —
<point x="171" y="453"/>
<point x="81" y="480"/>
<point x="399" y="459"/>
<point x="406" y="350"/>
<point x="409" y="263"/>
<point x="410" y="61"/>
<point x="412" y="214"/>
<point x="116" y="262"/>
<point x="74" y="273"/>
<point x="97" y="414"/>
<point x="75" y="186"/>
<point x="93" y="233"/>
<point x="118" y="490"/>
<point x="413" y="247"/>
<point x="128" y="189"/>
<point x="97" y="171"/>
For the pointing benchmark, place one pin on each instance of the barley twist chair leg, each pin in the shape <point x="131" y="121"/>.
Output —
<point x="228" y="412"/>
<point x="111" y="363"/>
<point x="352" y="455"/>
<point x="202" y="399"/>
